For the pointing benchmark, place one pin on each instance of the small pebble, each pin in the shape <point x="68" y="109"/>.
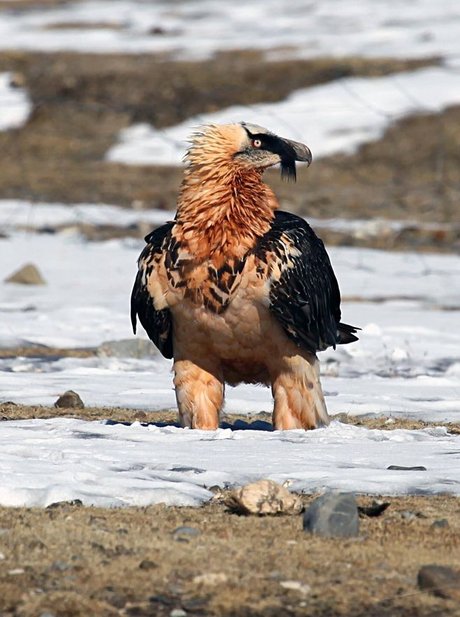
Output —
<point x="441" y="581"/>
<point x="16" y="571"/>
<point x="403" y="468"/>
<point x="70" y="400"/>
<point x="210" y="578"/>
<point x="26" y="275"/>
<point x="302" y="588"/>
<point x="181" y="533"/>
<point x="440" y="523"/>
<point x="146" y="564"/>
<point x="178" y="612"/>
<point x="408" y="516"/>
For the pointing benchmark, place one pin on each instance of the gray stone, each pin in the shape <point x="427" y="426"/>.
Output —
<point x="404" y="468"/>
<point x="184" y="532"/>
<point x="178" y="612"/>
<point x="70" y="400"/>
<point x="441" y="581"/>
<point x="440" y="523"/>
<point x="127" y="348"/>
<point x="333" y="515"/>
<point x="27" y="275"/>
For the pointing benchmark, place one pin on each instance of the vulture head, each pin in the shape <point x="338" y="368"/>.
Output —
<point x="246" y="146"/>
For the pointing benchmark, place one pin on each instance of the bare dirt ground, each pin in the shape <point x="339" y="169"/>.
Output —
<point x="71" y="560"/>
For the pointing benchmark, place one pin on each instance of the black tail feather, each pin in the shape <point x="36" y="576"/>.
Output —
<point x="346" y="333"/>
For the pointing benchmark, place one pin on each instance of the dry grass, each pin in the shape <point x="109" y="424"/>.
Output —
<point x="79" y="561"/>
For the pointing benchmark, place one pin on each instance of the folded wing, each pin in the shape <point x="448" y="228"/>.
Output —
<point x="303" y="291"/>
<point x="157" y="323"/>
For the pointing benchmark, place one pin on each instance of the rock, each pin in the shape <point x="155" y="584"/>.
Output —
<point x="27" y="275"/>
<point x="16" y="571"/>
<point x="178" y="612"/>
<point x="407" y="515"/>
<point x="181" y="534"/>
<point x="440" y="523"/>
<point x="127" y="348"/>
<point x="302" y="588"/>
<point x="210" y="578"/>
<point x="441" y="581"/>
<point x="65" y="504"/>
<point x="70" y="400"/>
<point x="333" y="515"/>
<point x="147" y="564"/>
<point x="375" y="509"/>
<point x="403" y="468"/>
<point x="264" y="497"/>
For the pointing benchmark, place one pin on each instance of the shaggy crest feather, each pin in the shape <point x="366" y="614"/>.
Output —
<point x="223" y="206"/>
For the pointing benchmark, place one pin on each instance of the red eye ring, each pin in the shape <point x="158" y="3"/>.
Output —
<point x="257" y="143"/>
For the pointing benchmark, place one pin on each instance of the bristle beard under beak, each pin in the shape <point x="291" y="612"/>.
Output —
<point x="288" y="170"/>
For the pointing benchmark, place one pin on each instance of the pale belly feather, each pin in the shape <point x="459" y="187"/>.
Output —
<point x="243" y="341"/>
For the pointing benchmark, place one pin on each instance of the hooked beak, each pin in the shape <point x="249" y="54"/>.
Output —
<point x="291" y="152"/>
<point x="302" y="152"/>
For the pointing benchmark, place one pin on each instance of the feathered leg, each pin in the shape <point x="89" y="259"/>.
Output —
<point x="199" y="395"/>
<point x="297" y="393"/>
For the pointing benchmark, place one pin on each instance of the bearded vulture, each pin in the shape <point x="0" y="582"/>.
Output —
<point x="236" y="291"/>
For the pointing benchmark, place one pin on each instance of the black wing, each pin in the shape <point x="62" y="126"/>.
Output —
<point x="157" y="324"/>
<point x="304" y="294"/>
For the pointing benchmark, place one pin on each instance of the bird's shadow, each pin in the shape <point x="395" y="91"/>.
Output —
<point x="237" y="425"/>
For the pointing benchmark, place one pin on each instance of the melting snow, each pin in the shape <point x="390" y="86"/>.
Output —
<point x="335" y="117"/>
<point x="396" y="28"/>
<point x="14" y="104"/>
<point x="44" y="461"/>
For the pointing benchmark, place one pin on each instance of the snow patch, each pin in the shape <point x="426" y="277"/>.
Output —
<point x="15" y="106"/>
<point x="44" y="461"/>
<point x="335" y="117"/>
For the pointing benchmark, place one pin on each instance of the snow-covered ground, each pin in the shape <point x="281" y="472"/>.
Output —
<point x="407" y="363"/>
<point x="199" y="28"/>
<point x="54" y="460"/>
<point x="335" y="117"/>
<point x="15" y="106"/>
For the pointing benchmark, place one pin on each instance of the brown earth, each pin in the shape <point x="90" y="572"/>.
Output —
<point x="69" y="560"/>
<point x="13" y="411"/>
<point x="81" y="102"/>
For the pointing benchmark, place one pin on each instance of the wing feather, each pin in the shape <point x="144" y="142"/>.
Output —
<point x="304" y="294"/>
<point x="157" y="323"/>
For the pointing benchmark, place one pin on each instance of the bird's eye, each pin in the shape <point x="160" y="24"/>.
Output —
<point x="256" y="143"/>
